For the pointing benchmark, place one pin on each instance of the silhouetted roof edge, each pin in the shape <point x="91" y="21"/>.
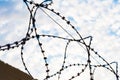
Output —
<point x="8" y="72"/>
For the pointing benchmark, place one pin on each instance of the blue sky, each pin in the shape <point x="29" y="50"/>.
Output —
<point x="6" y="3"/>
<point x="97" y="18"/>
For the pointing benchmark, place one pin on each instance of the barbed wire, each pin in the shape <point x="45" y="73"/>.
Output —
<point x="81" y="42"/>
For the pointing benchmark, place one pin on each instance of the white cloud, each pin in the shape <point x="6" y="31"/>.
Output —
<point x="95" y="18"/>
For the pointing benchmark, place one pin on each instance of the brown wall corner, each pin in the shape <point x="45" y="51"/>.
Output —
<point x="8" y="72"/>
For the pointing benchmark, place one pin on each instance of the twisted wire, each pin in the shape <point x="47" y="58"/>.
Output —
<point x="81" y="41"/>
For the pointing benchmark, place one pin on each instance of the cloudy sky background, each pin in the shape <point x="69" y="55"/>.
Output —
<point x="97" y="18"/>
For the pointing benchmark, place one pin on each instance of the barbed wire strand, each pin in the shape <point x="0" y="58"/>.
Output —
<point x="32" y="28"/>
